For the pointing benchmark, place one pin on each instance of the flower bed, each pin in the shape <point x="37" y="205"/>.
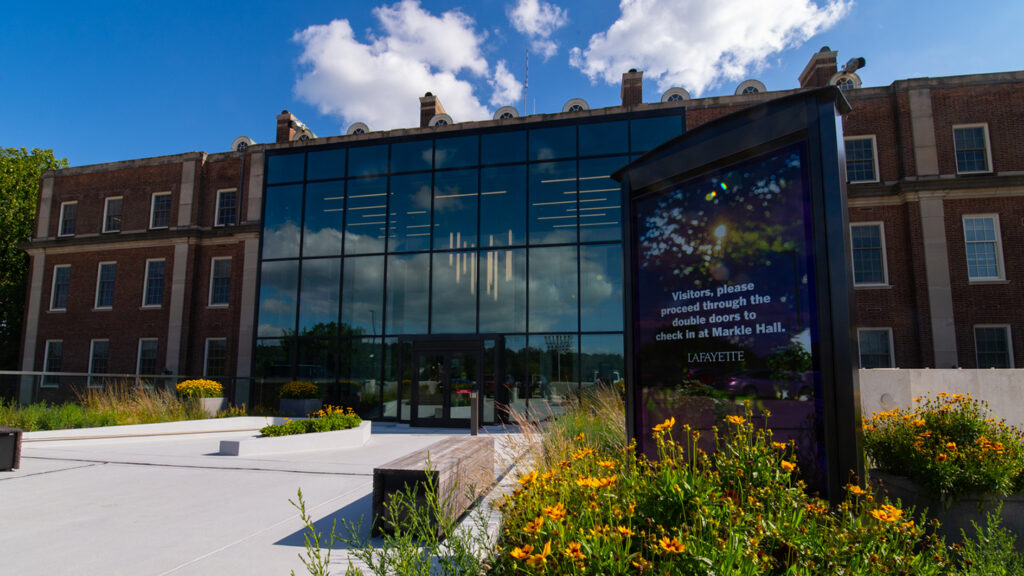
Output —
<point x="260" y="445"/>
<point x="327" y="419"/>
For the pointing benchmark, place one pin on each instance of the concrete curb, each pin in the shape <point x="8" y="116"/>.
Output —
<point x="257" y="445"/>
<point x="207" y="426"/>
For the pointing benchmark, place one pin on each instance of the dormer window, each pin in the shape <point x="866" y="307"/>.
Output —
<point x="750" y="87"/>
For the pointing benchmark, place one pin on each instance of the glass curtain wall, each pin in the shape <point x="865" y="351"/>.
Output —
<point x="515" y="234"/>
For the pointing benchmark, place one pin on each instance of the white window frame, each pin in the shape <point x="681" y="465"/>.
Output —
<point x="60" y="222"/>
<point x="213" y="265"/>
<point x="145" y="283"/>
<point x="152" y="211"/>
<point x="216" y="209"/>
<point x="1001" y="268"/>
<point x="92" y="356"/>
<point x="106" y="212"/>
<point x="44" y="382"/>
<point x="99" y="275"/>
<point x="892" y="349"/>
<point x="874" y="158"/>
<point x="1009" y="341"/>
<point x="53" y="288"/>
<point x="885" y="260"/>
<point x="988" y="148"/>
<point x="138" y="357"/>
<point x="206" y="356"/>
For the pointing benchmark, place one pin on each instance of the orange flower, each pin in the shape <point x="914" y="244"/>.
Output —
<point x="520" y="553"/>
<point x="887" y="513"/>
<point x="556" y="512"/>
<point x="736" y="419"/>
<point x="624" y="531"/>
<point x="779" y="445"/>
<point x="541" y="557"/>
<point x="606" y="464"/>
<point x="951" y="446"/>
<point x="579" y="437"/>
<point x="672" y="545"/>
<point x="856" y="490"/>
<point x="533" y="526"/>
<point x="787" y="466"/>
<point x="941" y="458"/>
<point x="666" y="425"/>
<point x="582" y="453"/>
<point x="574" y="551"/>
<point x="528" y="478"/>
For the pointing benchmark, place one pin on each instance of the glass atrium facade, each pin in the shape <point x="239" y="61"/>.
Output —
<point x="401" y="273"/>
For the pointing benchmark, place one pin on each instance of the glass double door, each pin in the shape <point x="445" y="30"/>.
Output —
<point x="445" y="380"/>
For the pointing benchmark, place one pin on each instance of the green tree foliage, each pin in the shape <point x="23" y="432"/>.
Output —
<point x="20" y="171"/>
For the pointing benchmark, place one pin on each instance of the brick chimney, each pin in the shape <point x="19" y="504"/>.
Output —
<point x="430" y="106"/>
<point x="287" y="126"/>
<point x="632" y="88"/>
<point x="820" y="69"/>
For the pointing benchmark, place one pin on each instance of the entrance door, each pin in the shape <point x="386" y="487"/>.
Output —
<point x="443" y="381"/>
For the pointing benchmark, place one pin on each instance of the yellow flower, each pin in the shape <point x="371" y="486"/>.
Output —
<point x="579" y="437"/>
<point x="917" y="422"/>
<point x="787" y="466"/>
<point x="528" y="478"/>
<point x="520" y="553"/>
<point x="666" y="425"/>
<point x="918" y="399"/>
<point x="856" y="490"/>
<point x="624" y="531"/>
<point x="574" y="551"/>
<point x="951" y="446"/>
<point x="582" y="453"/>
<point x="541" y="557"/>
<point x="814" y="508"/>
<point x="672" y="545"/>
<point x="779" y="445"/>
<point x="941" y="458"/>
<point x="736" y="419"/>
<point x="887" y="513"/>
<point x="556" y="512"/>
<point x="606" y="464"/>
<point x="533" y="526"/>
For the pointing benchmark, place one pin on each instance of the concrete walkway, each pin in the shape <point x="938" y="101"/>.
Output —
<point x="169" y="504"/>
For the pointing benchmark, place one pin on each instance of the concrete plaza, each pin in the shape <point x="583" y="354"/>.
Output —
<point x="170" y="504"/>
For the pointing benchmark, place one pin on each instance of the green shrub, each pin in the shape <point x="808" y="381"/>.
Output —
<point x="300" y="390"/>
<point x="948" y="444"/>
<point x="327" y="419"/>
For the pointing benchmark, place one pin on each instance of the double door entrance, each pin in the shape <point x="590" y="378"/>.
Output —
<point x="446" y="374"/>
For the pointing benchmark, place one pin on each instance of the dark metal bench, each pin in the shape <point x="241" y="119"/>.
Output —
<point x="462" y="468"/>
<point x="10" y="448"/>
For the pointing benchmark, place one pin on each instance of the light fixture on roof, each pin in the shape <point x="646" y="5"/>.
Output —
<point x="854" y="64"/>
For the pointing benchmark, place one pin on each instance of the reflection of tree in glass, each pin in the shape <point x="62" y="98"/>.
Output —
<point x="730" y="218"/>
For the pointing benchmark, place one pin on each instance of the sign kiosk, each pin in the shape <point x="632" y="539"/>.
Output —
<point x="737" y="283"/>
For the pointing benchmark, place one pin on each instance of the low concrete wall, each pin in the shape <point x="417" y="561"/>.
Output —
<point x="885" y="389"/>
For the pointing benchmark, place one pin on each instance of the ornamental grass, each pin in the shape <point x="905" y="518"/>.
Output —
<point x="948" y="444"/>
<point x="740" y="510"/>
<point x="327" y="419"/>
<point x="199" y="388"/>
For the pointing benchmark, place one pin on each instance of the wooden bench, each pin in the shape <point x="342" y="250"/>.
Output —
<point x="461" y="467"/>
<point x="10" y="448"/>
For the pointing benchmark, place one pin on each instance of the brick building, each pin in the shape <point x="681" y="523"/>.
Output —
<point x="174" y="265"/>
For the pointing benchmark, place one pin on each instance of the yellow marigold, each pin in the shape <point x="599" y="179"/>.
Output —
<point x="528" y="478"/>
<point x="672" y="545"/>
<point x="520" y="553"/>
<point x="887" y="513"/>
<point x="556" y="512"/>
<point x="856" y="490"/>
<point x="736" y="419"/>
<point x="625" y="531"/>
<point x="199" y="388"/>
<point x="787" y="466"/>
<point x="574" y="551"/>
<point x="666" y="425"/>
<point x="541" y="557"/>
<point x="533" y="526"/>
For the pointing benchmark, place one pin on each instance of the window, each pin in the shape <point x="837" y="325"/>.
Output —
<point x="993" y="346"/>
<point x="226" y="207"/>
<point x="147" y="356"/>
<point x="160" y="210"/>
<point x="875" y="347"/>
<point x="52" y="362"/>
<point x="220" y="281"/>
<point x="861" y="159"/>
<point x="59" y="290"/>
<point x="971" y="145"/>
<point x="68" y="215"/>
<point x="868" y="242"/>
<point x="984" y="254"/>
<point x="99" y="355"/>
<point x="216" y="357"/>
<point x="153" y="290"/>
<point x="112" y="214"/>
<point x="105" y="285"/>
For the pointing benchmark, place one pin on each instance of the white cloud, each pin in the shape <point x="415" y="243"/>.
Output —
<point x="379" y="82"/>
<point x="538" y="20"/>
<point x="507" y="90"/>
<point x="698" y="43"/>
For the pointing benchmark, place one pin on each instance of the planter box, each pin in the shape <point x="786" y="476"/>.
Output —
<point x="961" y="513"/>
<point x="213" y="405"/>
<point x="259" y="445"/>
<point x="10" y="448"/>
<point x="300" y="407"/>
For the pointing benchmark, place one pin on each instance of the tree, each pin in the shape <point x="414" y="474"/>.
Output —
<point x="20" y="171"/>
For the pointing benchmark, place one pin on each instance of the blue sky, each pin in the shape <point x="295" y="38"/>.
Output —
<point x="106" y="81"/>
